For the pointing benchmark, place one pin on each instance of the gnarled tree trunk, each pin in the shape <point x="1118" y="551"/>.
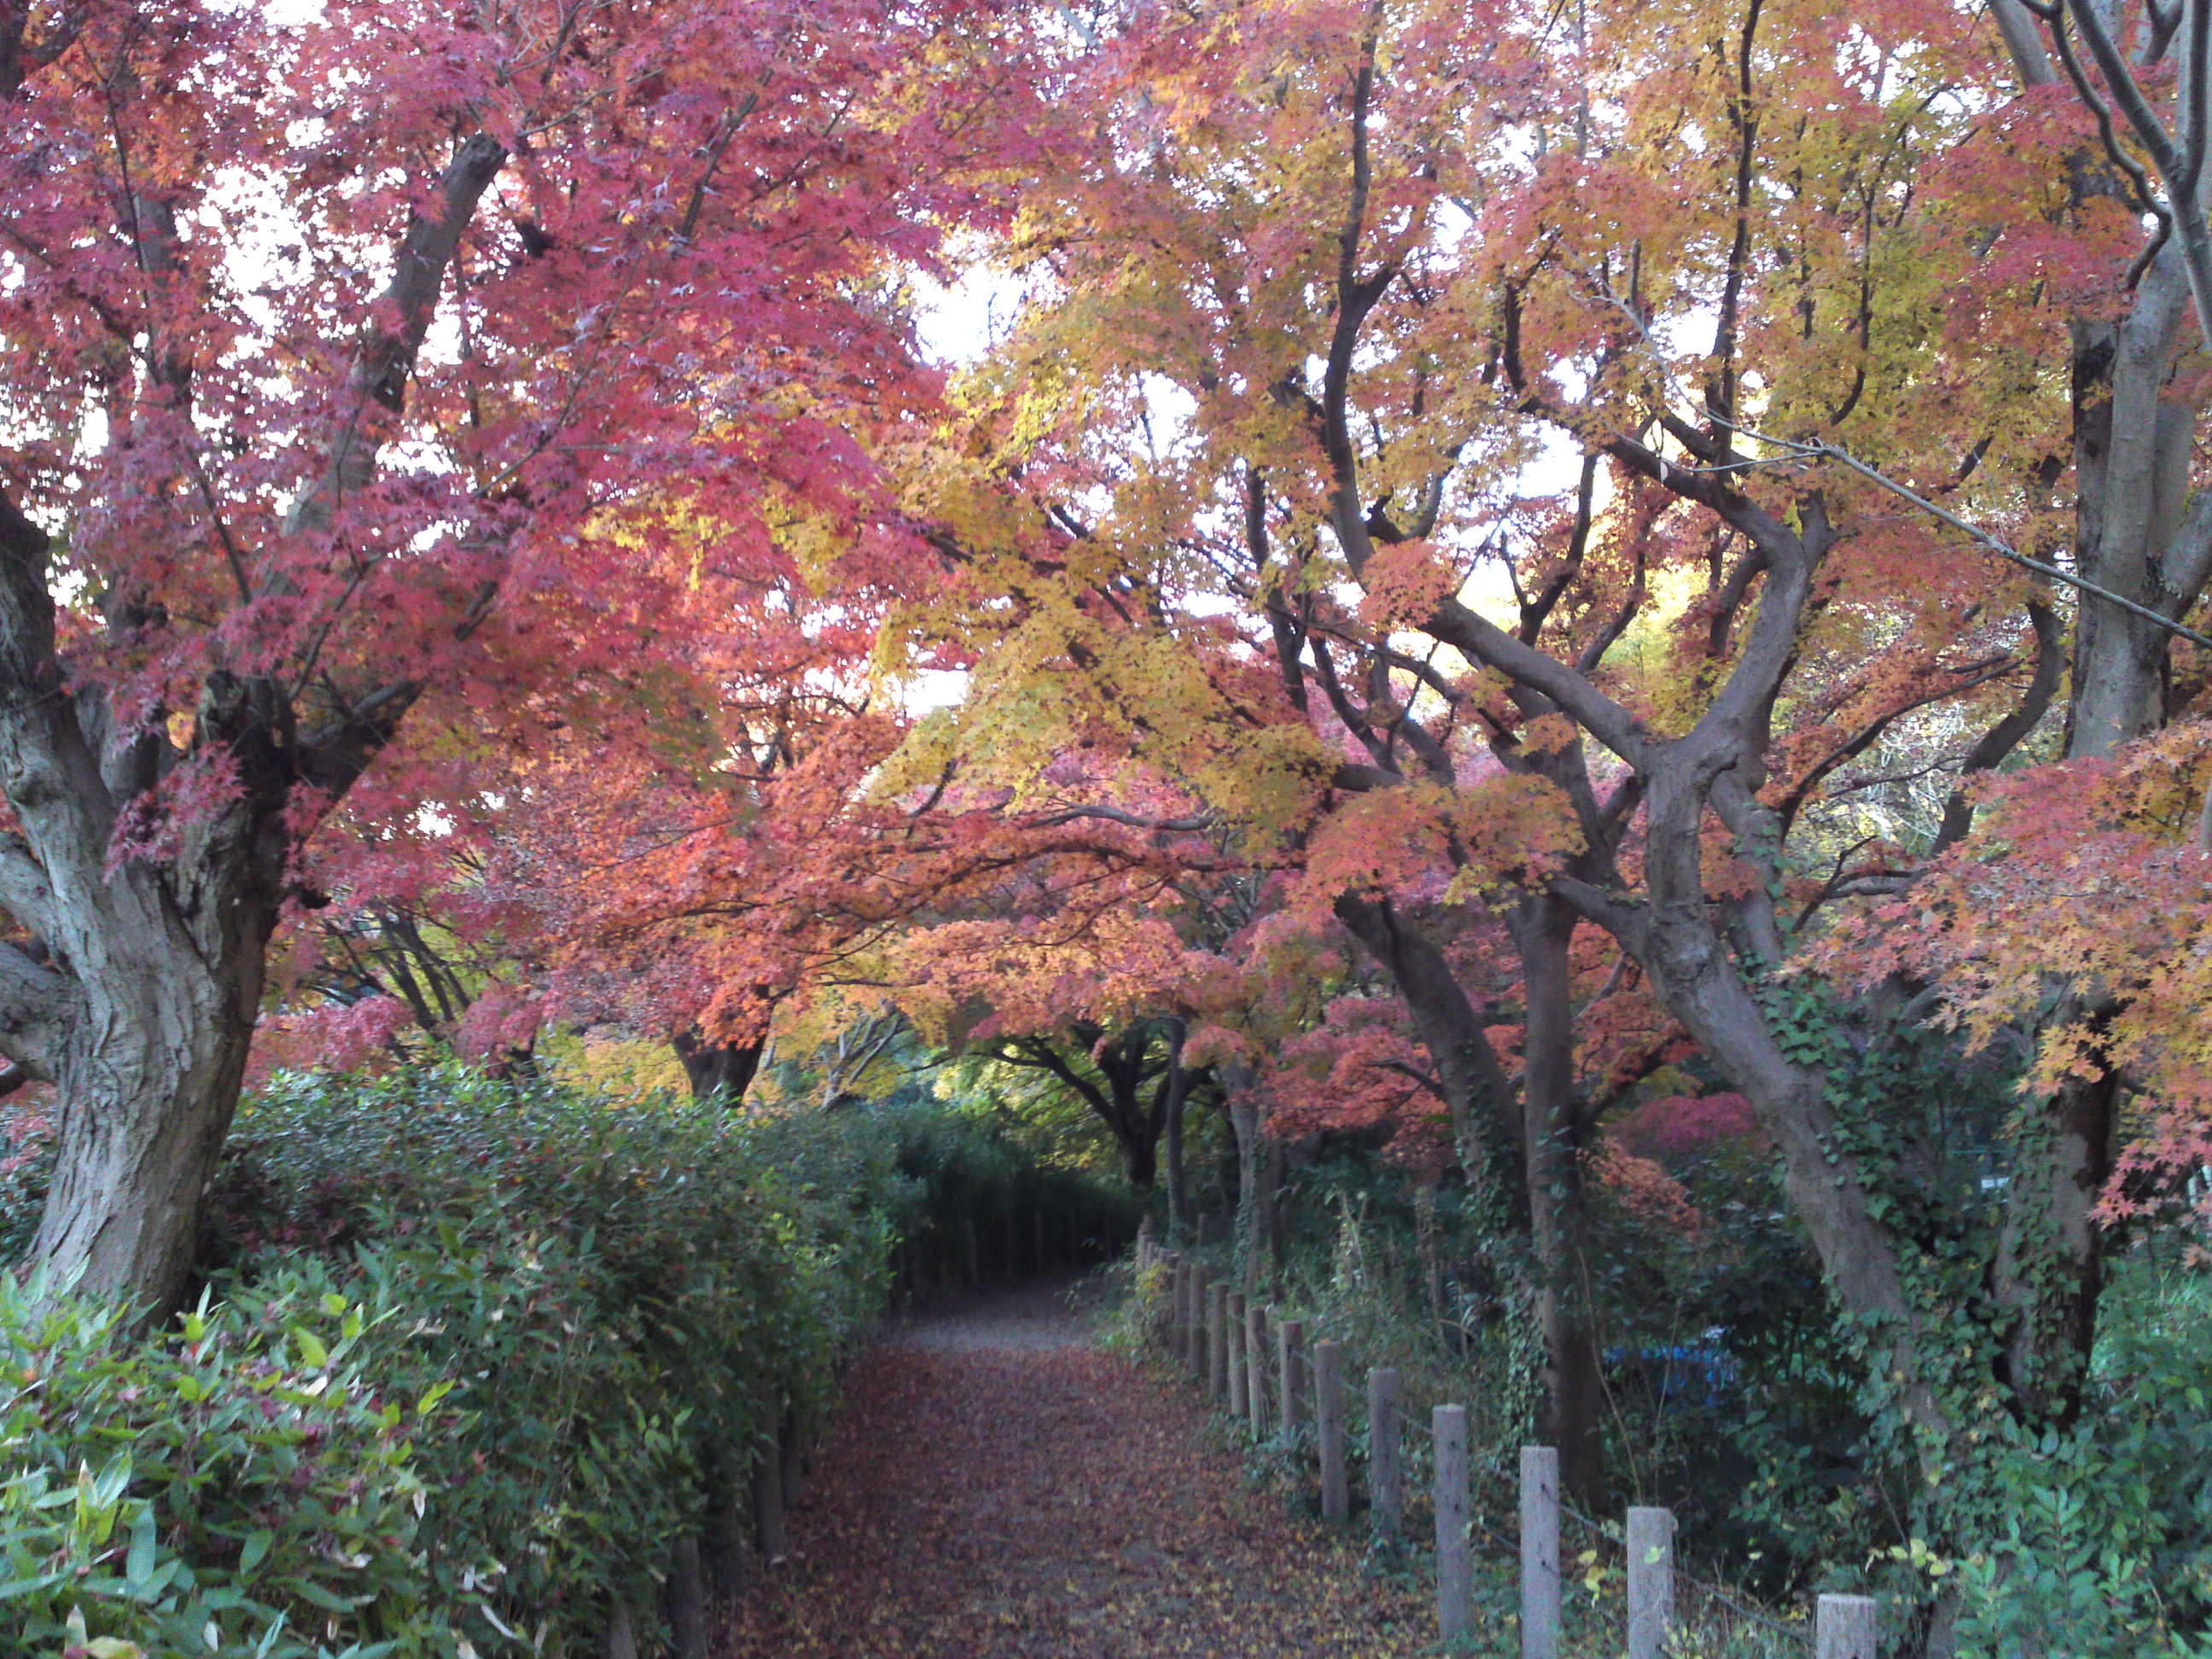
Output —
<point x="158" y="1016"/>
<point x="140" y="1001"/>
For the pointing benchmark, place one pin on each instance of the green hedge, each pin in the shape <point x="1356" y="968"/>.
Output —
<point x="471" y="1353"/>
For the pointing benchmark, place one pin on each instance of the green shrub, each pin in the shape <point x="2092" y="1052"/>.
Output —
<point x="243" y="1485"/>
<point x="627" y="1298"/>
<point x="472" y="1352"/>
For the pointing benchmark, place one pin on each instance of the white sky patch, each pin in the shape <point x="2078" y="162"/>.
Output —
<point x="960" y="322"/>
<point x="932" y="689"/>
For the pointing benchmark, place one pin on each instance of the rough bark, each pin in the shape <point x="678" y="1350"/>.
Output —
<point x="722" y="1071"/>
<point x="1474" y="1087"/>
<point x="1553" y="1125"/>
<point x="1246" y="1116"/>
<point x="1176" y="1096"/>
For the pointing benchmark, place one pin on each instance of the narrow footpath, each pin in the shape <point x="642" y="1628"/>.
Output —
<point x="997" y="1488"/>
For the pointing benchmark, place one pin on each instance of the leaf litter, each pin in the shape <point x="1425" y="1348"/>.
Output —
<point x="996" y="1488"/>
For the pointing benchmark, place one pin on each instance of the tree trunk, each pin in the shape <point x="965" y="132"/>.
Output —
<point x="144" y="1011"/>
<point x="2137" y="539"/>
<point x="723" y="1070"/>
<point x="1244" y="1120"/>
<point x="1178" y="1089"/>
<point x="1135" y="1129"/>
<point x="1476" y="1091"/>
<point x="145" y="1007"/>
<point x="1277" y="1199"/>
<point x="1553" y="1130"/>
<point x="2050" y="1268"/>
<point x="149" y="1080"/>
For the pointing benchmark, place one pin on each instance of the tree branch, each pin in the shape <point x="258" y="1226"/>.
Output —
<point x="34" y="1001"/>
<point x="388" y="351"/>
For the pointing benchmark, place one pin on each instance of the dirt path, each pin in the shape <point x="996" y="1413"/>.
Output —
<point x="996" y="1488"/>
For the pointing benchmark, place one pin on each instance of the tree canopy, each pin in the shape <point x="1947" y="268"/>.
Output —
<point x="1500" y="569"/>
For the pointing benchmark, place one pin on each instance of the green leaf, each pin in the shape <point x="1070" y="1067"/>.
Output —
<point x="256" y="1546"/>
<point x="138" y="1564"/>
<point x="310" y="1348"/>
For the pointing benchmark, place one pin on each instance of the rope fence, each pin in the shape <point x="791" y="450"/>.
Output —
<point x="1280" y="1381"/>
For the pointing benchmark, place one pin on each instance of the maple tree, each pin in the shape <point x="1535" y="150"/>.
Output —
<point x="1530" y="442"/>
<point x="387" y="369"/>
<point x="1073" y="959"/>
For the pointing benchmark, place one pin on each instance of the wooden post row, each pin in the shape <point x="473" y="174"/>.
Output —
<point x="1844" y="1628"/>
<point x="1290" y="1339"/>
<point x="1651" y="1544"/>
<point x="1455" y="1550"/>
<point x="1539" y="1553"/>
<point x="1328" y="1422"/>
<point x="1385" y="1493"/>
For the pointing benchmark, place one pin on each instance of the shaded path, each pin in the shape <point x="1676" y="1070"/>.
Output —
<point x="997" y="1488"/>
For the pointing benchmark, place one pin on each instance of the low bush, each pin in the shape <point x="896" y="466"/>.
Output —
<point x="471" y="1353"/>
<point x="241" y="1486"/>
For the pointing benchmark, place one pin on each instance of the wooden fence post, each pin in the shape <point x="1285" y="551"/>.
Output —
<point x="1256" y="1366"/>
<point x="726" y="1530"/>
<point x="1194" y="1349"/>
<point x="1183" y="1314"/>
<point x="1234" y="1336"/>
<point x="1455" y="1550"/>
<point x="1217" y="1340"/>
<point x="1329" y="1420"/>
<point x="1289" y="1339"/>
<point x="1385" y="1491"/>
<point x="768" y="1500"/>
<point x="1650" y="1543"/>
<point x="1539" y="1553"/>
<point x="792" y="1444"/>
<point x="622" y="1633"/>
<point x="1177" y="1282"/>
<point x="1844" y="1628"/>
<point x="685" y="1600"/>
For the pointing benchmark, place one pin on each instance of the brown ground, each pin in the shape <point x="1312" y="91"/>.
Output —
<point x="996" y="1488"/>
